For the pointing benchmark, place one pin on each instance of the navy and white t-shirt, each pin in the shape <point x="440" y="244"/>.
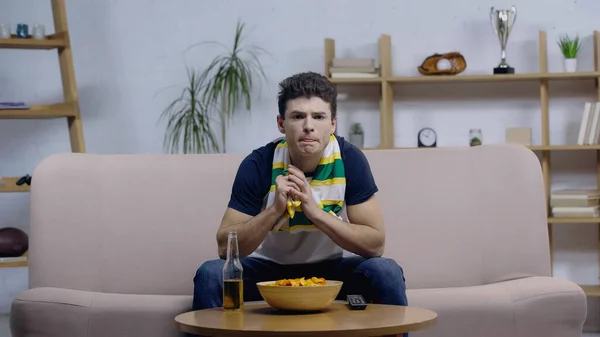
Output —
<point x="251" y="187"/>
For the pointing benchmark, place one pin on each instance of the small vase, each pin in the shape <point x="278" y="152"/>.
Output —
<point x="570" y="65"/>
<point x="22" y="31"/>
<point x="4" y="31"/>
<point x="475" y="137"/>
<point x="357" y="139"/>
<point x="39" y="32"/>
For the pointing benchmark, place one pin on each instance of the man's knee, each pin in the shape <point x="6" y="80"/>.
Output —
<point x="209" y="271"/>
<point x="382" y="267"/>
<point x="208" y="285"/>
<point x="387" y="277"/>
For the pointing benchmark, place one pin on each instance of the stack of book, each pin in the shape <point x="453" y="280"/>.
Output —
<point x="13" y="106"/>
<point x="353" y="68"/>
<point x="589" y="129"/>
<point x="569" y="203"/>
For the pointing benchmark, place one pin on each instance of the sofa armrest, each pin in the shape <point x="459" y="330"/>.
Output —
<point x="74" y="313"/>
<point x="531" y="306"/>
<point x="557" y="304"/>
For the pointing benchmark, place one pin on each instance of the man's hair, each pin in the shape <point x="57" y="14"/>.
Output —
<point x="308" y="84"/>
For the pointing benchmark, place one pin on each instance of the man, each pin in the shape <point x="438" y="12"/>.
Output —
<point x="324" y="176"/>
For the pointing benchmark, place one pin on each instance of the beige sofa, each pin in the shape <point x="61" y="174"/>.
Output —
<point x="116" y="240"/>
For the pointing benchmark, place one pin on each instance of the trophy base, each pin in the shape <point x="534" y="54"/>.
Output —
<point x="504" y="70"/>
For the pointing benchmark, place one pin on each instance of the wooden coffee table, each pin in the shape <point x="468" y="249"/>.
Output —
<point x="262" y="320"/>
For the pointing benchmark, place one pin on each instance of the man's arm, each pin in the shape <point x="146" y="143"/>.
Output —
<point x="363" y="235"/>
<point x="244" y="213"/>
<point x="251" y="230"/>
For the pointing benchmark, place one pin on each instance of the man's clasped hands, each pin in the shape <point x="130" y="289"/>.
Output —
<point x="292" y="188"/>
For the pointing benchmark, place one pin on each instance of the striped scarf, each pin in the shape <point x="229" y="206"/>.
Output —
<point x="328" y="186"/>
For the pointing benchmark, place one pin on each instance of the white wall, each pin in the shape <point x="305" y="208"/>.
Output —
<point x="122" y="83"/>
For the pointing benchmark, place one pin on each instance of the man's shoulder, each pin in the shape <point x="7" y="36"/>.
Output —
<point x="262" y="154"/>
<point x="259" y="162"/>
<point x="349" y="151"/>
<point x="360" y="184"/>
<point x="253" y="180"/>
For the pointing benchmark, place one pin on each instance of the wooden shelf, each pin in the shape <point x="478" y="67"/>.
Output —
<point x="52" y="42"/>
<point x="41" y="111"/>
<point x="573" y="220"/>
<point x="593" y="291"/>
<point x="14" y="264"/>
<point x="533" y="77"/>
<point x="23" y="261"/>
<point x="532" y="147"/>
<point x="564" y="147"/>
<point x="9" y="184"/>
<point x="69" y="108"/>
<point x="496" y="78"/>
<point x="356" y="80"/>
<point x="541" y="78"/>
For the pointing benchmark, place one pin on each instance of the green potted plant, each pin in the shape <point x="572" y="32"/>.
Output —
<point x="188" y="121"/>
<point x="214" y="93"/>
<point x="570" y="49"/>
<point x="475" y="137"/>
<point x="357" y="137"/>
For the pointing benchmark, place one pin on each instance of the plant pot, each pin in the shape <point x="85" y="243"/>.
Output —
<point x="570" y="65"/>
<point x="357" y="139"/>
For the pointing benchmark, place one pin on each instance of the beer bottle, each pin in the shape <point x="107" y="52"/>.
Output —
<point x="233" y="283"/>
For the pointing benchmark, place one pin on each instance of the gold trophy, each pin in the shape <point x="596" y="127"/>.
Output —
<point x="503" y="21"/>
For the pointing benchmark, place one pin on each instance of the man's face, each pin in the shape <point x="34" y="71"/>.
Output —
<point x="307" y="125"/>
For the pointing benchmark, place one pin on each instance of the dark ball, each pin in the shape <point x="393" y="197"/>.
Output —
<point x="13" y="242"/>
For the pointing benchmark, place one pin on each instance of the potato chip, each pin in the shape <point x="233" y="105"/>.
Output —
<point x="300" y="282"/>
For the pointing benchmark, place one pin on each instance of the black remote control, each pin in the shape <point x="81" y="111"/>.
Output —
<point x="356" y="302"/>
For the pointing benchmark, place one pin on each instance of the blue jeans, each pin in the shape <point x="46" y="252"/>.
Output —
<point x="379" y="280"/>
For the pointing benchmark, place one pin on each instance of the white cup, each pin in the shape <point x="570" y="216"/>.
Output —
<point x="39" y="32"/>
<point x="4" y="31"/>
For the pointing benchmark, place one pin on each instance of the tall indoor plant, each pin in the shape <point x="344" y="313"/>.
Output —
<point x="188" y="120"/>
<point x="215" y="92"/>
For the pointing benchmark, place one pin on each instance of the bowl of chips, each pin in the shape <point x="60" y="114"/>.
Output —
<point x="300" y="294"/>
